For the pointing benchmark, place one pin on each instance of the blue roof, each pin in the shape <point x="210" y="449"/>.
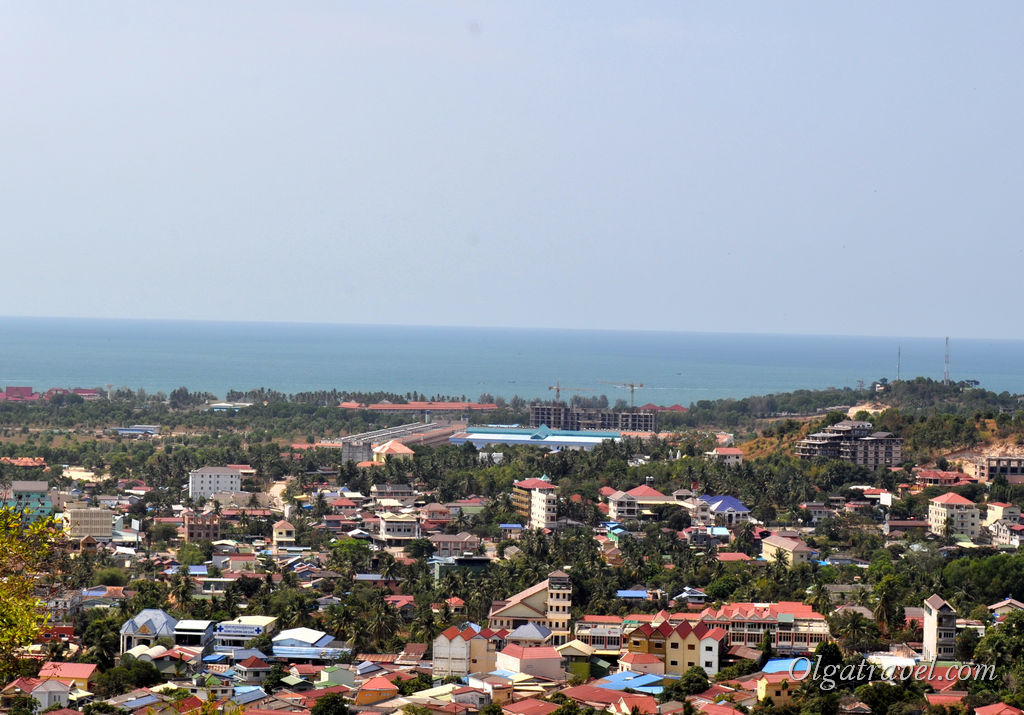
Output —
<point x="510" y="526"/>
<point x="198" y="570"/>
<point x="215" y="658"/>
<point x="311" y="652"/>
<point x="627" y="593"/>
<point x="724" y="503"/>
<point x="630" y="679"/>
<point x="782" y="665"/>
<point x="369" y="577"/>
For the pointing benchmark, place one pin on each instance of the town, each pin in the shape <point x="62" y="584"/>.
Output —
<point x="386" y="554"/>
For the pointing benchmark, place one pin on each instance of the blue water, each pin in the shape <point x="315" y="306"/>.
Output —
<point x="674" y="367"/>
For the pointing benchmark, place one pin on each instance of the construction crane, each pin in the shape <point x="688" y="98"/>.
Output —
<point x="557" y="387"/>
<point x="624" y="385"/>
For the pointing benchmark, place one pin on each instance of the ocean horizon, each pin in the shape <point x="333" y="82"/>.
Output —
<point x="674" y="367"/>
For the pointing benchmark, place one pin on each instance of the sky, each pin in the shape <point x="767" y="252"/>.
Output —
<point x="790" y="167"/>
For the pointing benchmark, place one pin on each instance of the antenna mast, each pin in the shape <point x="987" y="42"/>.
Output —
<point x="899" y="361"/>
<point x="945" y="375"/>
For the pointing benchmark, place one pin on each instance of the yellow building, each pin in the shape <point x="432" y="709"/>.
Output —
<point x="795" y="551"/>
<point x="779" y="687"/>
<point x="548" y="604"/>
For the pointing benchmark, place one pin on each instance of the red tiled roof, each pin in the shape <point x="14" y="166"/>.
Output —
<point x="378" y="683"/>
<point x="52" y="669"/>
<point x="644" y="491"/>
<point x="952" y="498"/>
<point x="529" y="706"/>
<point x="535" y="484"/>
<point x="531" y="652"/>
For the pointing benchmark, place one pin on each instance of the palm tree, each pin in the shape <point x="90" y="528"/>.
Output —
<point x="383" y="623"/>
<point x="820" y="599"/>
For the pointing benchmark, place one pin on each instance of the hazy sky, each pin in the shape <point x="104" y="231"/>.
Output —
<point x="799" y="167"/>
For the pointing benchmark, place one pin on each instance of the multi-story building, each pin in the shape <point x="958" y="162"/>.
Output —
<point x="229" y="635"/>
<point x="1001" y="511"/>
<point x="989" y="467"/>
<point x="548" y="604"/>
<point x="283" y="534"/>
<point x="794" y="551"/>
<point x="560" y="416"/>
<point x="199" y="527"/>
<point x="204" y="482"/>
<point x="461" y="652"/>
<point x="397" y="529"/>
<point x="536" y="501"/>
<point x="939" y="630"/>
<point x="602" y="633"/>
<point x="446" y="545"/>
<point x="622" y="506"/>
<point x="853" y="442"/>
<point x="30" y="497"/>
<point x="729" y="456"/>
<point x="82" y="521"/>
<point x="952" y="511"/>
<point x="680" y="646"/>
<point x="795" y="627"/>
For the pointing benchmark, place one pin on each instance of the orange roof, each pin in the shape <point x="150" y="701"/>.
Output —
<point x="644" y="491"/>
<point x="535" y="484"/>
<point x="538" y="651"/>
<point x="378" y="683"/>
<point x="732" y="556"/>
<point x="530" y="706"/>
<point x="392" y="446"/>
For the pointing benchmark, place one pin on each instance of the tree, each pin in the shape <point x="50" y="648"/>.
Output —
<point x="273" y="680"/>
<point x="694" y="680"/>
<point x="330" y="704"/>
<point x="25" y="550"/>
<point x="966" y="644"/>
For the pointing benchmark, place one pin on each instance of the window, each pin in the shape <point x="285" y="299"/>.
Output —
<point x="675" y="646"/>
<point x="691" y="646"/>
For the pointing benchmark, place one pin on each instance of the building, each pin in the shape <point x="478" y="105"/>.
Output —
<point x="953" y="512"/>
<point x="542" y="436"/>
<point x="393" y="449"/>
<point x="455" y="544"/>
<point x="680" y="646"/>
<point x="794" y="551"/>
<point x="560" y="416"/>
<point x="939" y="630"/>
<point x="80" y="674"/>
<point x="283" y="534"/>
<point x="855" y="442"/>
<point x="198" y="527"/>
<point x="81" y="521"/>
<point x="398" y="529"/>
<point x="146" y="627"/>
<point x="726" y="509"/>
<point x="548" y="604"/>
<point x="795" y="627"/>
<point x="989" y="467"/>
<point x="602" y="633"/>
<point x="470" y="650"/>
<point x="204" y="482"/>
<point x="729" y="456"/>
<point x="536" y="501"/>
<point x="542" y="661"/>
<point x="194" y="633"/>
<point x="30" y="497"/>
<point x="622" y="506"/>
<point x="234" y="634"/>
<point x="1000" y="510"/>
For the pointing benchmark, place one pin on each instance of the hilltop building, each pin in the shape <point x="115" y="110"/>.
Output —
<point x="855" y="442"/>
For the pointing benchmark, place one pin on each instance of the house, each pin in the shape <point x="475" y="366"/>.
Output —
<point x="80" y="674"/>
<point x="729" y="510"/>
<point x="1001" y="510"/>
<point x="794" y="551"/>
<point x="283" y="534"/>
<point x="529" y="706"/>
<point x="375" y="690"/>
<point x="729" y="456"/>
<point x="542" y="661"/>
<point x="47" y="692"/>
<point x="777" y="687"/>
<point x="642" y="663"/>
<point x="455" y="544"/>
<point x="1004" y="607"/>
<point x="393" y="449"/>
<point x="252" y="669"/>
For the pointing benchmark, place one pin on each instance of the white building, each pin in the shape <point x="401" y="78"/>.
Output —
<point x="82" y="521"/>
<point x="232" y="634"/>
<point x="204" y="482"/>
<point x="397" y="529"/>
<point x="956" y="512"/>
<point x="939" y="630"/>
<point x="622" y="506"/>
<point x="537" y="501"/>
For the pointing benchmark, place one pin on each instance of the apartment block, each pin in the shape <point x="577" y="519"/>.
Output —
<point x="536" y="501"/>
<point x="939" y="630"/>
<point x="959" y="513"/>
<point x="204" y="482"/>
<point x="560" y="416"/>
<point x="853" y="441"/>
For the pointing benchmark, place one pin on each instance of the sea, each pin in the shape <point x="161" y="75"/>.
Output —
<point x="672" y="367"/>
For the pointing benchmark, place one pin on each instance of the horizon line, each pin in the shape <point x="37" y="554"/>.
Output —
<point x="315" y="323"/>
